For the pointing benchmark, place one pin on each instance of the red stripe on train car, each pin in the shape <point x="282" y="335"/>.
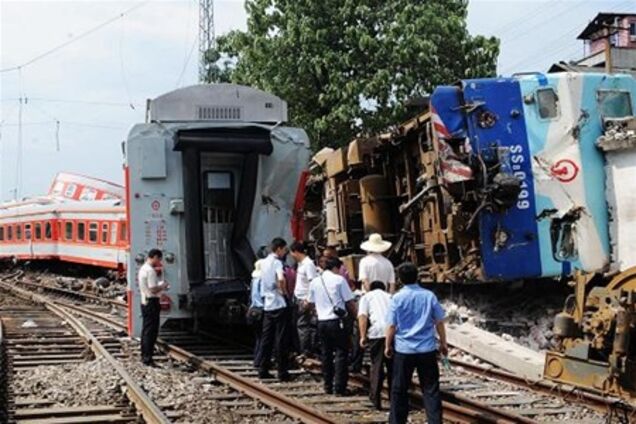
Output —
<point x="129" y="317"/>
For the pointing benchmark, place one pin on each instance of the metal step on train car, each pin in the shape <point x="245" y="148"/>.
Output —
<point x="211" y="177"/>
<point x="506" y="179"/>
<point x="81" y="220"/>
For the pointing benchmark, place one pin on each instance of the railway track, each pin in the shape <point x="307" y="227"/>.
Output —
<point x="472" y="393"/>
<point x="42" y="343"/>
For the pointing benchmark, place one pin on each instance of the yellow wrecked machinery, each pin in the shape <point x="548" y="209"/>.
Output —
<point x="505" y="179"/>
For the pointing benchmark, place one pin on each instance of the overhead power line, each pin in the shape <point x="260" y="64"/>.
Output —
<point x="78" y="101"/>
<point x="74" y="39"/>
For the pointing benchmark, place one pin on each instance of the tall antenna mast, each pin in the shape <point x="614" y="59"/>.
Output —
<point x="206" y="34"/>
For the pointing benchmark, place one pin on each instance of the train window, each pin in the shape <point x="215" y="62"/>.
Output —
<point x="113" y="233"/>
<point x="548" y="103"/>
<point x="1" y="233"/>
<point x="123" y="235"/>
<point x="18" y="232"/>
<point x="81" y="231"/>
<point x="9" y="232"/>
<point x="92" y="232"/>
<point x="105" y="233"/>
<point x="48" y="233"/>
<point x="614" y="103"/>
<point x="27" y="231"/>
<point x="38" y="231"/>
<point x="70" y="190"/>
<point x="58" y="188"/>
<point x="68" y="230"/>
<point x="88" y="193"/>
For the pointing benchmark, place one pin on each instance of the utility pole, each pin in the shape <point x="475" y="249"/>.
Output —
<point x="18" y="167"/>
<point x="206" y="34"/>
<point x="610" y="30"/>
<point x="608" y="50"/>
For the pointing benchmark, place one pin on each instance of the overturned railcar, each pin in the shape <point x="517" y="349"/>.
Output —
<point x="501" y="179"/>
<point x="212" y="176"/>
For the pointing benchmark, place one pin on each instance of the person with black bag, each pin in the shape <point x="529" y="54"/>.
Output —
<point x="330" y="294"/>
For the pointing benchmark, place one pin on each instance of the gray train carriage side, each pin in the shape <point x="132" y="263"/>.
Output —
<point x="210" y="177"/>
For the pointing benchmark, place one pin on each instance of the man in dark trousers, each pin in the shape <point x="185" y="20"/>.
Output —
<point x="373" y="308"/>
<point x="333" y="300"/>
<point x="255" y="312"/>
<point x="414" y="315"/>
<point x="305" y="321"/>
<point x="276" y="316"/>
<point x="150" y="289"/>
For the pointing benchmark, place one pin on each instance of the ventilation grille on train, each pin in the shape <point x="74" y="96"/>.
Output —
<point x="219" y="113"/>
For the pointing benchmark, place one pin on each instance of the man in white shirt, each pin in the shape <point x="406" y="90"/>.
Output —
<point x="276" y="316"/>
<point x="150" y="289"/>
<point x="305" y="272"/>
<point x="374" y="266"/>
<point x="330" y="294"/>
<point x="372" y="311"/>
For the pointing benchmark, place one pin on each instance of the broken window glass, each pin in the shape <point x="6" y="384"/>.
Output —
<point x="614" y="103"/>
<point x="548" y="103"/>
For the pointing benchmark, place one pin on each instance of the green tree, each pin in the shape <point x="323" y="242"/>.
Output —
<point x="347" y="66"/>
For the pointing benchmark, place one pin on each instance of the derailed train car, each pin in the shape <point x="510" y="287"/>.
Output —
<point x="507" y="179"/>
<point x="211" y="177"/>
<point x="502" y="179"/>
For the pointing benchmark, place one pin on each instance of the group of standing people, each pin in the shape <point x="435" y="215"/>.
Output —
<point x="317" y="305"/>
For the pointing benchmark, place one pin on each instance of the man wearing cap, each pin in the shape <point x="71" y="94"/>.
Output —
<point x="374" y="266"/>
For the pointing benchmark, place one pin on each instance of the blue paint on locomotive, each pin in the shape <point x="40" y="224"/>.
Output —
<point x="543" y="129"/>
<point x="497" y="131"/>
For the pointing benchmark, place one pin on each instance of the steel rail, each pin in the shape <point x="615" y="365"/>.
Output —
<point x="255" y="390"/>
<point x="144" y="405"/>
<point x="90" y="296"/>
<point x="455" y="407"/>
<point x="4" y="377"/>
<point x="567" y="393"/>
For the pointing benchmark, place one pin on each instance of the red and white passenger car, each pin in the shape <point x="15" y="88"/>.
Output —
<point x="81" y="220"/>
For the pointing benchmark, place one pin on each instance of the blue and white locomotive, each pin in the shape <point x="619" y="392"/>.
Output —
<point x="570" y="205"/>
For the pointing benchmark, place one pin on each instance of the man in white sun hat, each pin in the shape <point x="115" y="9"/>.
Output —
<point x="374" y="266"/>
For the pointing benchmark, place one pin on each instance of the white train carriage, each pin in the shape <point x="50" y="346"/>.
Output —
<point x="82" y="220"/>
<point x="212" y="177"/>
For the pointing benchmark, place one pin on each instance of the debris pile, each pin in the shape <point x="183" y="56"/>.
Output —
<point x="524" y="316"/>
<point x="620" y="135"/>
<point x="87" y="383"/>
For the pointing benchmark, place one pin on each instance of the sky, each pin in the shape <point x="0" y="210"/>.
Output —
<point x="82" y="99"/>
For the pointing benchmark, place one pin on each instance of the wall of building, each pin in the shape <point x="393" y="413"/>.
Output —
<point x="622" y="38"/>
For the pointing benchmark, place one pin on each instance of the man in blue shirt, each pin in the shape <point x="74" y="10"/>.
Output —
<point x="414" y="315"/>
<point x="276" y="317"/>
<point x="255" y="312"/>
